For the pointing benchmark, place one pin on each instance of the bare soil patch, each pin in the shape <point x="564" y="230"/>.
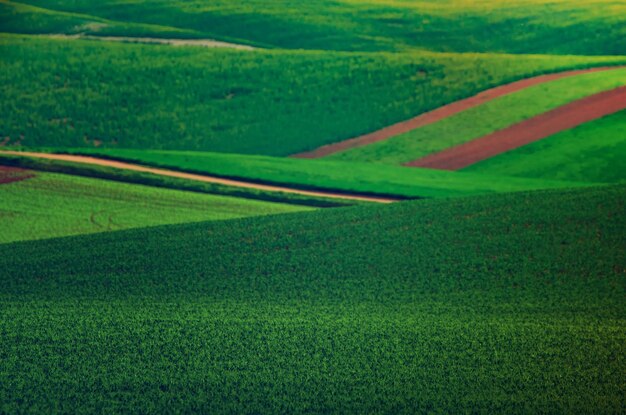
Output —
<point x="563" y="118"/>
<point x="14" y="174"/>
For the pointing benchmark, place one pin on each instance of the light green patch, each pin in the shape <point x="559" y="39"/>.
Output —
<point x="51" y="205"/>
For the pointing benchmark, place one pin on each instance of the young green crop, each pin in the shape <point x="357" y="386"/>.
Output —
<point x="52" y="205"/>
<point x="484" y="119"/>
<point x="515" y="26"/>
<point x="94" y="93"/>
<point x="509" y="303"/>
<point x="594" y="151"/>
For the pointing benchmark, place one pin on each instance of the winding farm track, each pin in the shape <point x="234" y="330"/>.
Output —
<point x="207" y="43"/>
<point x="200" y="178"/>
<point x="443" y="112"/>
<point x="563" y="118"/>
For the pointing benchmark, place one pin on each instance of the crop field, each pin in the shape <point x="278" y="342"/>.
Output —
<point x="320" y="207"/>
<point x="484" y="304"/>
<point x="88" y="93"/>
<point x="484" y="119"/>
<point x="52" y="205"/>
<point x="592" y="152"/>
<point x="518" y="26"/>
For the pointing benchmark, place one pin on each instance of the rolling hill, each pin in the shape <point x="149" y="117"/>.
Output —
<point x="506" y="303"/>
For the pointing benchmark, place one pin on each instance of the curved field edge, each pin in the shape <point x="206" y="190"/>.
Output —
<point x="159" y="181"/>
<point x="594" y="151"/>
<point x="52" y="205"/>
<point x="20" y="18"/>
<point x="260" y="102"/>
<point x="485" y="119"/>
<point x="359" y="178"/>
<point x="520" y="295"/>
<point x="441" y="113"/>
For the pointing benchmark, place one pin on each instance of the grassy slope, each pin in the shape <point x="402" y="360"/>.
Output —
<point x="321" y="174"/>
<point x="509" y="303"/>
<point x="265" y="102"/>
<point x="518" y="26"/>
<point x="51" y="205"/>
<point x="23" y="18"/>
<point x="484" y="119"/>
<point x="594" y="151"/>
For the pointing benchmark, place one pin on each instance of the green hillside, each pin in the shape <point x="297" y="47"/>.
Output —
<point x="52" y="205"/>
<point x="517" y="26"/>
<point x="108" y="94"/>
<point x="23" y="18"/>
<point x="485" y="119"/>
<point x="509" y="303"/>
<point x="594" y="151"/>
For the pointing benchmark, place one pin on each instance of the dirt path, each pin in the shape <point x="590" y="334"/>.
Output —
<point x="443" y="112"/>
<point x="563" y="118"/>
<point x="207" y="43"/>
<point x="201" y="178"/>
<point x="14" y="174"/>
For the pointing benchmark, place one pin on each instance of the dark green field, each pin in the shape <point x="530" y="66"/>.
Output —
<point x="146" y="289"/>
<point x="489" y="304"/>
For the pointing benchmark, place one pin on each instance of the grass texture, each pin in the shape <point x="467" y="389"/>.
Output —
<point x="508" y="303"/>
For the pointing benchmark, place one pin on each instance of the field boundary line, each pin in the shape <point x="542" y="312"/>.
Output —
<point x="445" y="111"/>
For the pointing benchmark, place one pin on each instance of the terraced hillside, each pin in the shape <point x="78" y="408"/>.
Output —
<point x="508" y="303"/>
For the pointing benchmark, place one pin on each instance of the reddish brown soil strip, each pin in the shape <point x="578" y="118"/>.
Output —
<point x="201" y="178"/>
<point x="14" y="174"/>
<point x="442" y="112"/>
<point x="536" y="128"/>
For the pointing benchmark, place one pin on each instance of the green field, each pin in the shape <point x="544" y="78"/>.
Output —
<point x="508" y="303"/>
<point x="328" y="175"/>
<point x="499" y="288"/>
<point x="517" y="26"/>
<point x="56" y="92"/>
<point x="593" y="152"/>
<point x="51" y="205"/>
<point x="484" y="119"/>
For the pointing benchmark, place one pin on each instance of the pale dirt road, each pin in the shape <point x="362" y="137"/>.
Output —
<point x="200" y="178"/>
<point x="207" y="43"/>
